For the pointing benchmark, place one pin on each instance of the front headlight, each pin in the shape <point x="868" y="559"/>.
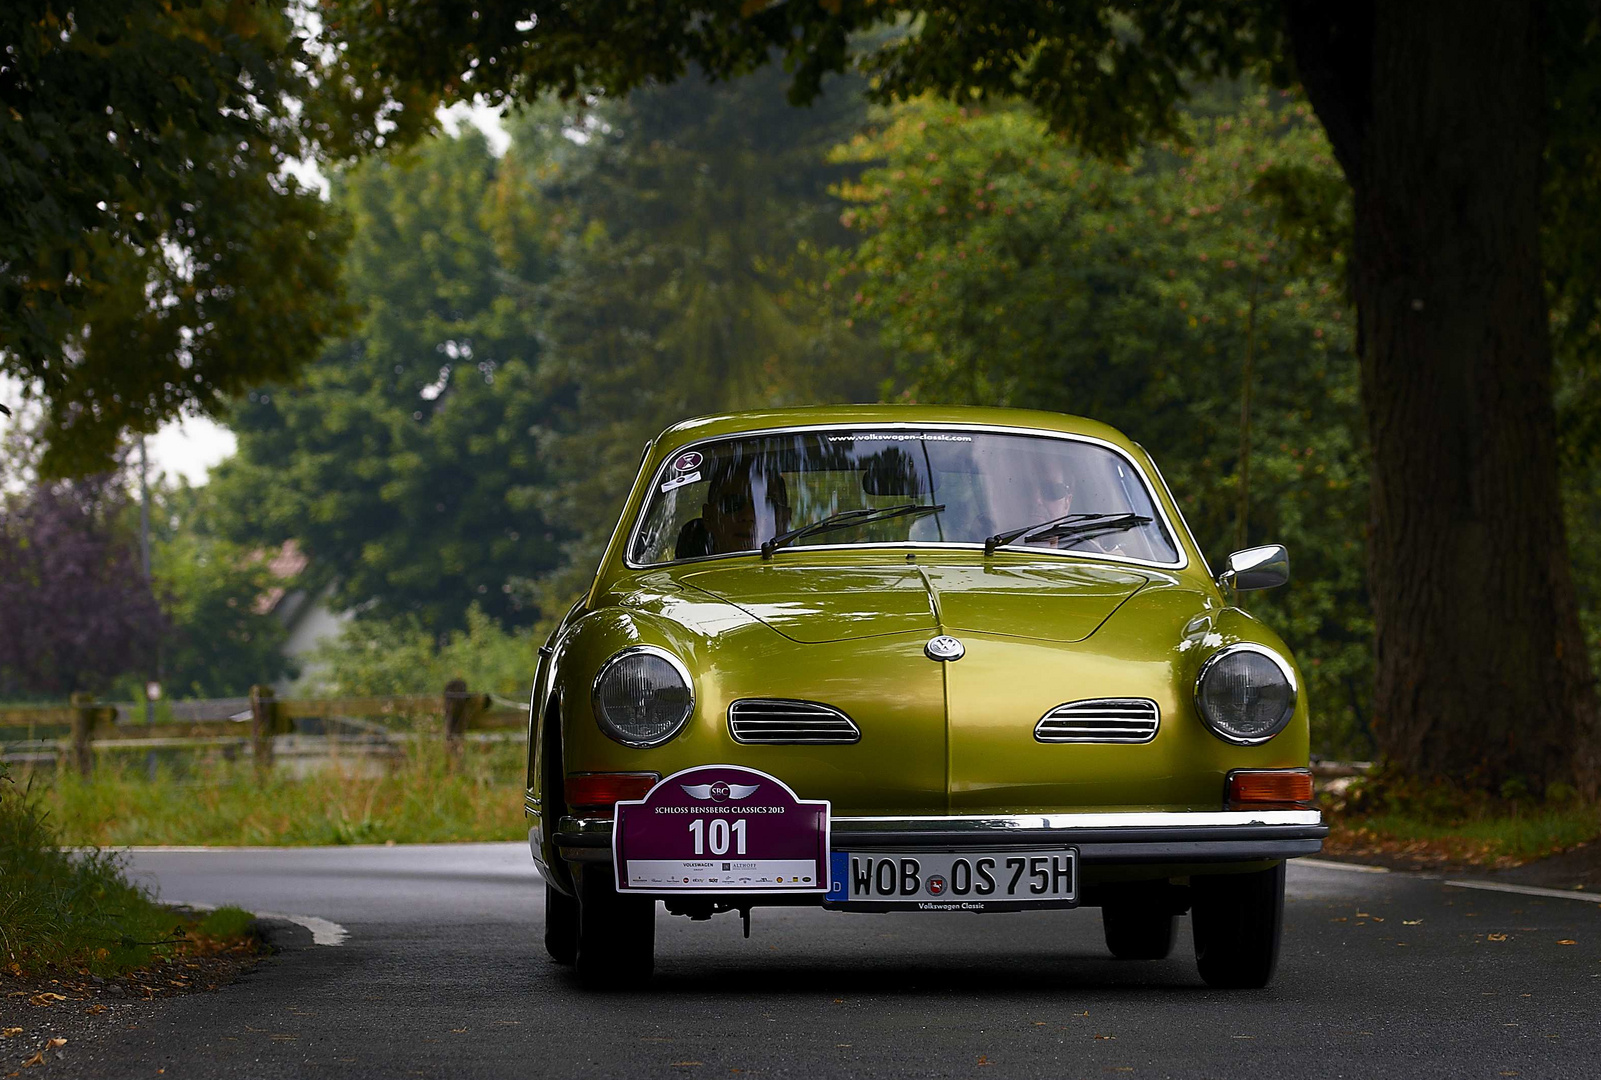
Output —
<point x="643" y="696"/>
<point x="1245" y="694"/>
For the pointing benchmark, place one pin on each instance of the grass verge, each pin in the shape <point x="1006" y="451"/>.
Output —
<point x="425" y="797"/>
<point x="76" y="911"/>
<point x="1440" y="826"/>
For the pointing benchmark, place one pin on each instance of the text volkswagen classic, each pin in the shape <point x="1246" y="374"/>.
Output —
<point x="907" y="658"/>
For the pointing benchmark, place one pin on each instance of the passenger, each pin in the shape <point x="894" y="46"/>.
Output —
<point x="745" y="504"/>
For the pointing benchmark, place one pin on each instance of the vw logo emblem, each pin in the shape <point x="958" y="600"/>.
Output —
<point x="944" y="648"/>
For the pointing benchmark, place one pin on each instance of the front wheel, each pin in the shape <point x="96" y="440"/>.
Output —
<point x="616" y="934"/>
<point x="1238" y="920"/>
<point x="1138" y="931"/>
<point x="561" y="926"/>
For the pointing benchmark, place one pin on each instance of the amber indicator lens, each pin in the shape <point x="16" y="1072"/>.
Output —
<point x="592" y="791"/>
<point x="1270" y="787"/>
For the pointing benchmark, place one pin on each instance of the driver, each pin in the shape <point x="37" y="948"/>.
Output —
<point x="745" y="502"/>
<point x="1056" y="501"/>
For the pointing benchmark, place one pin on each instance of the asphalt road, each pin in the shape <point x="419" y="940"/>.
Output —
<point x="441" y="974"/>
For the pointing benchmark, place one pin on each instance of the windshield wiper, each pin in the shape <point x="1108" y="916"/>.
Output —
<point x="1080" y="525"/>
<point x="844" y="519"/>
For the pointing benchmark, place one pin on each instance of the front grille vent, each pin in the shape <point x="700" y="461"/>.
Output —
<point x="1100" y="720"/>
<point x="772" y="720"/>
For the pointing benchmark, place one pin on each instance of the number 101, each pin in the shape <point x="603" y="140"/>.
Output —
<point x="718" y="835"/>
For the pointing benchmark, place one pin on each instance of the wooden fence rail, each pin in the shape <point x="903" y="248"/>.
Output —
<point x="259" y="720"/>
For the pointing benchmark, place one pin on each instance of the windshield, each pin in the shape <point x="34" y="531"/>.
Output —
<point x="733" y="495"/>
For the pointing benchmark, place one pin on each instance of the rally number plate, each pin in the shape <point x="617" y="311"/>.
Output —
<point x="721" y="829"/>
<point x="954" y="881"/>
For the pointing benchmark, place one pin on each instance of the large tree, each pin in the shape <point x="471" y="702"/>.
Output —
<point x="1440" y="114"/>
<point x="407" y="461"/>
<point x="155" y="256"/>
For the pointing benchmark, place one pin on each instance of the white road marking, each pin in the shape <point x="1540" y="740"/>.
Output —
<point x="1528" y="890"/>
<point x="1355" y="868"/>
<point x="323" y="931"/>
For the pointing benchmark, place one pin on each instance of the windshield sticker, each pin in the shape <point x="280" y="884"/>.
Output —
<point x="680" y="481"/>
<point x="901" y="436"/>
<point x="689" y="462"/>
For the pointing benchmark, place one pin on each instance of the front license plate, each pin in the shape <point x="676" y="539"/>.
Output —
<point x="954" y="881"/>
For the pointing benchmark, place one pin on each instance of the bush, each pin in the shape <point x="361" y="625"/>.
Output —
<point x="376" y="657"/>
<point x="72" y="910"/>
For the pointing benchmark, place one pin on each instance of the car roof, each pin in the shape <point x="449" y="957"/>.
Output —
<point x="720" y="424"/>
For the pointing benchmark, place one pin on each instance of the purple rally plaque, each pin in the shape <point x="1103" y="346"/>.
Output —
<point x="721" y="829"/>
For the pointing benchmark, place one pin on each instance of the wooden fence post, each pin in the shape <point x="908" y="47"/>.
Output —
<point x="263" y="724"/>
<point x="84" y="714"/>
<point x="455" y="717"/>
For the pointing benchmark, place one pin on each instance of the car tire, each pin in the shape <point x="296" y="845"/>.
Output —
<point x="561" y="926"/>
<point x="616" y="935"/>
<point x="1138" y="931"/>
<point x="1238" y="920"/>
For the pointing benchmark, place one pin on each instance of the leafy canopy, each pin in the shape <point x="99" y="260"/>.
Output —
<point x="154" y="256"/>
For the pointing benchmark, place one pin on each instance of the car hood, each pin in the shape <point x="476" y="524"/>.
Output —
<point x="812" y="604"/>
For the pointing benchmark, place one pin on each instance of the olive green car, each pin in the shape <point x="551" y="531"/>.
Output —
<point x="980" y="635"/>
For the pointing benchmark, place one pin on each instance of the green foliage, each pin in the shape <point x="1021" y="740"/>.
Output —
<point x="1005" y="267"/>
<point x="68" y="909"/>
<point x="226" y="923"/>
<point x="407" y="461"/>
<point x="1109" y="73"/>
<point x="221" y="638"/>
<point x="401" y="656"/>
<point x="422" y="799"/>
<point x="146" y="214"/>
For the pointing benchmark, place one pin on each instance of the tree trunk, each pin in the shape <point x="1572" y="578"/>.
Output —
<point x="1436" y="110"/>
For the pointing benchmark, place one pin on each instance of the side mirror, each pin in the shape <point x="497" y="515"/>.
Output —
<point x="1265" y="567"/>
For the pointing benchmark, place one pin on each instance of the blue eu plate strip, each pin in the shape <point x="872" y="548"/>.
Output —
<point x="838" y="882"/>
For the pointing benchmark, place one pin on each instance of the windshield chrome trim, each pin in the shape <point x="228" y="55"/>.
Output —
<point x="988" y="429"/>
<point x="1179" y="510"/>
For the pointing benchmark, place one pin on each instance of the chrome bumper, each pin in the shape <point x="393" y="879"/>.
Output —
<point x="1110" y="838"/>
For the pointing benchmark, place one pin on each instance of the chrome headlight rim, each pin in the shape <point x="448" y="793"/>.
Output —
<point x="608" y="729"/>
<point x="1232" y="650"/>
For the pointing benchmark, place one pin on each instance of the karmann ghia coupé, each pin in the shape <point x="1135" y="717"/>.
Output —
<point x="906" y="658"/>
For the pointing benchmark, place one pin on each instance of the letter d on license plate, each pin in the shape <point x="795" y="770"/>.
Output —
<point x="721" y="829"/>
<point x="954" y="881"/>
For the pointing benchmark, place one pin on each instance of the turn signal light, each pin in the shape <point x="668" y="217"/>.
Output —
<point x="1283" y="789"/>
<point x="602" y="791"/>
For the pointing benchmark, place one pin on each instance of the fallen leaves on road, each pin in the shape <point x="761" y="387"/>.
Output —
<point x="1567" y="941"/>
<point x="1411" y="922"/>
<point x="6" y="1033"/>
<point x="982" y="1060"/>
<point x="46" y="998"/>
<point x="1497" y="937"/>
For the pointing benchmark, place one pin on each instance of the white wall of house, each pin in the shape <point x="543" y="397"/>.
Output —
<point x="311" y="622"/>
